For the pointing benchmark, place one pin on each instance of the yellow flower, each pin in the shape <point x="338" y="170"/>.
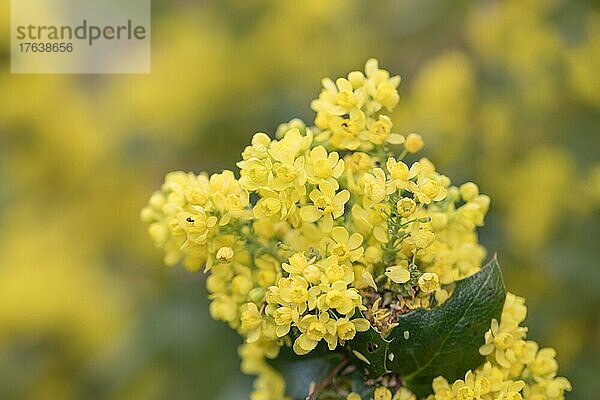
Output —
<point x="346" y="330"/>
<point x="294" y="290"/>
<point x="463" y="392"/>
<point x="406" y="207"/>
<point x="251" y="320"/>
<point x="441" y="389"/>
<point x="326" y="203"/>
<point x="284" y="317"/>
<point x="290" y="176"/>
<point x="346" y="131"/>
<point x="358" y="162"/>
<point x="360" y="325"/>
<point x="258" y="148"/>
<point x="382" y="393"/>
<point x="374" y="186"/>
<point x="159" y="232"/>
<point x="225" y="309"/>
<point x="336" y="272"/>
<point x="413" y="143"/>
<point x="381" y="87"/>
<point x="256" y="173"/>
<point x="234" y="207"/>
<point x="323" y="167"/>
<point x="471" y="388"/>
<point x="548" y="389"/>
<point x="298" y="263"/>
<point x="439" y="221"/>
<point x="429" y="282"/>
<point x="545" y="365"/>
<point x="197" y="191"/>
<point x="427" y="190"/>
<point x="314" y="329"/>
<point x="514" y="310"/>
<point x="504" y="342"/>
<point x="268" y="270"/>
<point x="312" y="274"/>
<point x="348" y="98"/>
<point x="422" y="238"/>
<point x="269" y="207"/>
<point x="196" y="224"/>
<point x="291" y="146"/>
<point x="400" y="174"/>
<point x="379" y="132"/>
<point x="338" y="98"/>
<point x="272" y="205"/>
<point x="345" y="246"/>
<point x="512" y="391"/>
<point x="404" y="394"/>
<point x="340" y="298"/>
<point x="241" y="285"/>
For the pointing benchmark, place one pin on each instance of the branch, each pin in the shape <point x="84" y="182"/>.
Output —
<point x="327" y="380"/>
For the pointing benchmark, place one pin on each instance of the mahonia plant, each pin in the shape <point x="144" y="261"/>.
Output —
<point x="350" y="272"/>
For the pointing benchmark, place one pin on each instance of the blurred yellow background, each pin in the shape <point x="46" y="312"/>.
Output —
<point x="505" y="93"/>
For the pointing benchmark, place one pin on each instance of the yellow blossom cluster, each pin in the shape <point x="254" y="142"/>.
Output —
<point x="323" y="228"/>
<point x="322" y="286"/>
<point x="349" y="110"/>
<point x="269" y="384"/>
<point x="515" y="368"/>
<point x="383" y="393"/>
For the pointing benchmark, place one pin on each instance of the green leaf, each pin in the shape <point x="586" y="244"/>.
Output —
<point x="300" y="371"/>
<point x="445" y="340"/>
<point x="369" y="350"/>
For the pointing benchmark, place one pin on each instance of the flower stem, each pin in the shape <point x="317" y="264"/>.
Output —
<point x="327" y="380"/>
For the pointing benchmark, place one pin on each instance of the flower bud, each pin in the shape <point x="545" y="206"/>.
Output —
<point x="469" y="191"/>
<point x="257" y="295"/>
<point x="413" y="143"/>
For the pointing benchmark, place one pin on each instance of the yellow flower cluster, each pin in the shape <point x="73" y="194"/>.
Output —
<point x="349" y="109"/>
<point x="321" y="286"/>
<point x="383" y="393"/>
<point x="183" y="215"/>
<point x="515" y="368"/>
<point x="324" y="229"/>
<point x="269" y="384"/>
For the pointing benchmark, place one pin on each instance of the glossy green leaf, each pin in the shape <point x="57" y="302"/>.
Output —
<point x="369" y="351"/>
<point x="300" y="372"/>
<point x="445" y="340"/>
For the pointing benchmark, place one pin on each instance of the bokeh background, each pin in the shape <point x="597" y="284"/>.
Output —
<point x="506" y="93"/>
